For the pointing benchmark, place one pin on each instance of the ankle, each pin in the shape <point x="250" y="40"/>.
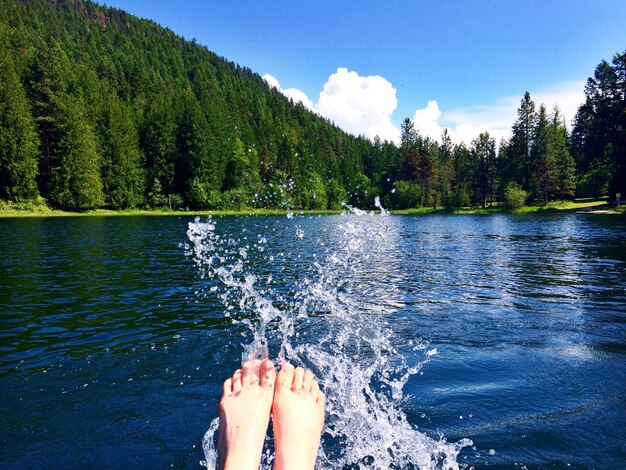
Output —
<point x="295" y="457"/>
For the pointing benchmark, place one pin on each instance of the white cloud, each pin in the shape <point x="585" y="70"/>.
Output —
<point x="296" y="95"/>
<point x="364" y="106"/>
<point x="271" y="81"/>
<point x="466" y="124"/>
<point x="496" y="119"/>
<point x="299" y="96"/>
<point x="426" y="120"/>
<point x="567" y="95"/>
<point x="360" y="105"/>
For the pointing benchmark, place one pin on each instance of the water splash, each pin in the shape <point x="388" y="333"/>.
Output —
<point x="329" y="323"/>
<point x="383" y="211"/>
<point x="209" y="446"/>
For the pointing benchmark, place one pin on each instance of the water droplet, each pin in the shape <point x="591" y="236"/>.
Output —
<point x="327" y="303"/>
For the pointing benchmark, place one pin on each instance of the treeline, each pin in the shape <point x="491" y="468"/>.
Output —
<point x="541" y="161"/>
<point x="101" y="109"/>
<point x="534" y="165"/>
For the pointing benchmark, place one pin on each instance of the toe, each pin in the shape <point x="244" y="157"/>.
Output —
<point x="236" y="381"/>
<point x="267" y="373"/>
<point x="285" y="376"/>
<point x="307" y="381"/>
<point x="228" y="387"/>
<point x="315" y="388"/>
<point x="321" y="399"/>
<point x="298" y="379"/>
<point x="247" y="373"/>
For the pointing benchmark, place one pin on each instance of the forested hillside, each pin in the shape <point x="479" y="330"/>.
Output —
<point x="101" y="109"/>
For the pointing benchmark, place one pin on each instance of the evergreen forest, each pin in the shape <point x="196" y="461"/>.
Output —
<point x="100" y="109"/>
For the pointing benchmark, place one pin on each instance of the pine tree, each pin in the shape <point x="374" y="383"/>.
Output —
<point x="242" y="170"/>
<point x="599" y="135"/>
<point x="122" y="173"/>
<point x="417" y="162"/>
<point x="197" y="166"/>
<point x="158" y="141"/>
<point x="484" y="153"/>
<point x="445" y="172"/>
<point x="76" y="182"/>
<point x="18" y="138"/>
<point x="462" y="171"/>
<point x="502" y="167"/>
<point x="618" y="180"/>
<point x="565" y="184"/>
<point x="543" y="168"/>
<point x="519" y="166"/>
<point x="49" y="79"/>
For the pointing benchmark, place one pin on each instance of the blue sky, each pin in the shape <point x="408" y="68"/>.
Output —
<point x="368" y="65"/>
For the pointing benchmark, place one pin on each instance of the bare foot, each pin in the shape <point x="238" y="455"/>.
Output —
<point x="244" y="415"/>
<point x="298" y="416"/>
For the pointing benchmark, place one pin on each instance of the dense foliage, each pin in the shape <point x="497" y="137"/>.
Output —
<point x="101" y="109"/>
<point x="599" y="134"/>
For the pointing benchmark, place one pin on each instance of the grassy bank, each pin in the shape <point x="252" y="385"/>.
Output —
<point x="8" y="209"/>
<point x="582" y="204"/>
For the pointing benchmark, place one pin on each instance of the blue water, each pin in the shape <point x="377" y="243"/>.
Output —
<point x="113" y="347"/>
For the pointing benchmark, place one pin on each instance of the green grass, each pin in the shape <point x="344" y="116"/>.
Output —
<point x="580" y="204"/>
<point x="8" y="209"/>
<point x="40" y="209"/>
<point x="576" y="204"/>
<point x="621" y="209"/>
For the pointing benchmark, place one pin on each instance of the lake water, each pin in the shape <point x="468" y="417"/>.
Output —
<point x="441" y="341"/>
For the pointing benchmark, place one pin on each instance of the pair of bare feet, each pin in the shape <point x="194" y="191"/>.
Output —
<point x="296" y="403"/>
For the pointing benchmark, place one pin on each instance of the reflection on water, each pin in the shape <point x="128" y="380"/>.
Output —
<point x="113" y="347"/>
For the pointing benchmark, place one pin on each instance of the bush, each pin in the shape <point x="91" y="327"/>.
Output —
<point x="23" y="204"/>
<point x="235" y="199"/>
<point x="460" y="198"/>
<point x="198" y="194"/>
<point x="276" y="195"/>
<point x="156" y="198"/>
<point x="361" y="192"/>
<point x="514" y="196"/>
<point x="595" y="182"/>
<point x="215" y="200"/>
<point x="405" y="195"/>
<point x="336" y="194"/>
<point x="312" y="193"/>
<point x="175" y="201"/>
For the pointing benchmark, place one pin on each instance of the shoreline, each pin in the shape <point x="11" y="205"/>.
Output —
<point x="45" y="211"/>
<point x="582" y="206"/>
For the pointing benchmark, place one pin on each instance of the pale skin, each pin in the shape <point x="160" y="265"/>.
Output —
<point x="298" y="417"/>
<point x="296" y="404"/>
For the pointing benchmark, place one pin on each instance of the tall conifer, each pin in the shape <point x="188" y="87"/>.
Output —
<point x="543" y="164"/>
<point x="565" y="182"/>
<point x="18" y="138"/>
<point x="519" y="166"/>
<point x="76" y="182"/>
<point x="122" y="173"/>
